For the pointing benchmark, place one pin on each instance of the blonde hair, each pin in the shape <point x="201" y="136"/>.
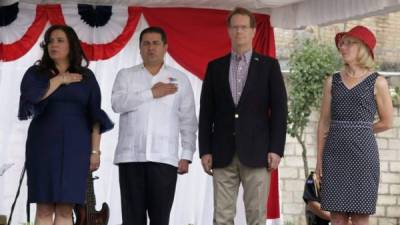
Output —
<point x="364" y="57"/>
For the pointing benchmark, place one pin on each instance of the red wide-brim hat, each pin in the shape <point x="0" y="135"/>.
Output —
<point x="361" y="33"/>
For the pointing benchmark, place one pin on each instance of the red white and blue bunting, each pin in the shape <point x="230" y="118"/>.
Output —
<point x="20" y="28"/>
<point x="103" y="30"/>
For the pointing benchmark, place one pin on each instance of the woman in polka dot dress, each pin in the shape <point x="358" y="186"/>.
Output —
<point x="347" y="157"/>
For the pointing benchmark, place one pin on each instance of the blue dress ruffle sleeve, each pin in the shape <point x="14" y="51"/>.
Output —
<point x="96" y="114"/>
<point x="33" y="87"/>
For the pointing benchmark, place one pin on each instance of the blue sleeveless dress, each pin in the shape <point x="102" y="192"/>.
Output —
<point x="350" y="164"/>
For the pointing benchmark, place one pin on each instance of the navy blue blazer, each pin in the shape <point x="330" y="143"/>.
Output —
<point x="255" y="126"/>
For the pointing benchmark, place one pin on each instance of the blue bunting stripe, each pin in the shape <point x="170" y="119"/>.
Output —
<point x="95" y="15"/>
<point x="8" y="14"/>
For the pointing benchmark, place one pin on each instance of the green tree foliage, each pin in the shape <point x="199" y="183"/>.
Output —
<point x="310" y="64"/>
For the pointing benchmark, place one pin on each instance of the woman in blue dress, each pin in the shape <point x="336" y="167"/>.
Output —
<point x="348" y="157"/>
<point x="63" y="99"/>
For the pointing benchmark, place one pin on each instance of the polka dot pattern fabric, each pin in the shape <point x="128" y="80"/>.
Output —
<point x="350" y="164"/>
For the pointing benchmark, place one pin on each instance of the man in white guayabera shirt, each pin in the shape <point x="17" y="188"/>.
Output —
<point x="156" y="107"/>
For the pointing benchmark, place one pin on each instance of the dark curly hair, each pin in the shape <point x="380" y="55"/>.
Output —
<point x="76" y="54"/>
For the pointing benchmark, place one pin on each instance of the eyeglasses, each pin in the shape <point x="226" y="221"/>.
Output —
<point x="346" y="43"/>
<point x="237" y="28"/>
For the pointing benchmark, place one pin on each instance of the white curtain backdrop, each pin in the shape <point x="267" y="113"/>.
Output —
<point x="193" y="202"/>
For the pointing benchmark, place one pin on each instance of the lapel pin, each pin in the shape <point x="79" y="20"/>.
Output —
<point x="256" y="59"/>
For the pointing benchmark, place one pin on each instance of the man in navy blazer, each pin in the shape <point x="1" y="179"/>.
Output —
<point x="242" y="127"/>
